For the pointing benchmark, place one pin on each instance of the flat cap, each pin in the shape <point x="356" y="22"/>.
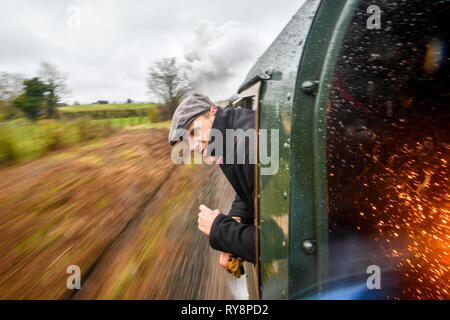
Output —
<point x="189" y="109"/>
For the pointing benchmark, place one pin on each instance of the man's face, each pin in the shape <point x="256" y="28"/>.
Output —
<point x="199" y="131"/>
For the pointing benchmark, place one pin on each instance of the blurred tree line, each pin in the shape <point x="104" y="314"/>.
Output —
<point x="39" y="96"/>
<point x="33" y="98"/>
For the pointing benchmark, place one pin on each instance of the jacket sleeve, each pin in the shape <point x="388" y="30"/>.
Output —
<point x="240" y="209"/>
<point x="228" y="235"/>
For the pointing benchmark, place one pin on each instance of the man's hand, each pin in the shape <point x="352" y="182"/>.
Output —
<point x="206" y="218"/>
<point x="223" y="260"/>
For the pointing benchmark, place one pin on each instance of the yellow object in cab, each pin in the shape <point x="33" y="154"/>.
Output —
<point x="235" y="266"/>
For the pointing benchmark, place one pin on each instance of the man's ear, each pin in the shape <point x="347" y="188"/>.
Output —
<point x="213" y="111"/>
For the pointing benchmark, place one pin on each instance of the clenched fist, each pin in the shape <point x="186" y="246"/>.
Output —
<point x="223" y="260"/>
<point x="206" y="218"/>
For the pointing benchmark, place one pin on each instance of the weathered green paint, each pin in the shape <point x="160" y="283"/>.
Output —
<point x="309" y="211"/>
<point x="275" y="110"/>
<point x="294" y="98"/>
<point x="293" y="203"/>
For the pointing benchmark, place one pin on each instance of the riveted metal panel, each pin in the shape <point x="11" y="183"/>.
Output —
<point x="309" y="209"/>
<point x="277" y="71"/>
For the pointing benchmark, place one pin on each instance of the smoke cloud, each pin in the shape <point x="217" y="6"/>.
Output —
<point x="219" y="57"/>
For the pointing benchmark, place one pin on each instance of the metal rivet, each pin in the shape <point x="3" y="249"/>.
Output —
<point x="309" y="86"/>
<point x="309" y="246"/>
<point x="267" y="73"/>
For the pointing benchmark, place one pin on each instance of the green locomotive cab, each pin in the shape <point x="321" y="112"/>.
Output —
<point x="357" y="95"/>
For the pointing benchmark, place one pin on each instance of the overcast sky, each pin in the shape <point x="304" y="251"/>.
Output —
<point x="106" y="46"/>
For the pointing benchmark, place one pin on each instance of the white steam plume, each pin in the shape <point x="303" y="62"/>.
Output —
<point x="219" y="57"/>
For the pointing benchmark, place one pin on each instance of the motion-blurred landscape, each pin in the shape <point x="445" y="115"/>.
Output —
<point x="87" y="92"/>
<point x="104" y="195"/>
<point x="93" y="186"/>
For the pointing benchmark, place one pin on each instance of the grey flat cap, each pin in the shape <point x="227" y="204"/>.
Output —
<point x="189" y="109"/>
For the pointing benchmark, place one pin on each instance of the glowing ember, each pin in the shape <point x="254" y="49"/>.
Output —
<point x="418" y="209"/>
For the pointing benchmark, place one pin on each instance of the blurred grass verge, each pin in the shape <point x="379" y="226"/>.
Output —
<point x="21" y="140"/>
<point x="66" y="208"/>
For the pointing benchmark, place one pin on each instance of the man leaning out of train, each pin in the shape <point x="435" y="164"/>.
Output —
<point x="205" y="127"/>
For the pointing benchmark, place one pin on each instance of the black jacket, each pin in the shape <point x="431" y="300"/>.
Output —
<point x="226" y="234"/>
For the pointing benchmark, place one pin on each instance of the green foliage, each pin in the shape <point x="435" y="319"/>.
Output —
<point x="25" y="140"/>
<point x="50" y="103"/>
<point x="86" y="130"/>
<point x="36" y="97"/>
<point x="9" y="112"/>
<point x="157" y="125"/>
<point x="54" y="81"/>
<point x="104" y="114"/>
<point x="33" y="98"/>
<point x="54" y="136"/>
<point x="107" y="127"/>
<point x="153" y="114"/>
<point x="106" y="111"/>
<point x="119" y="122"/>
<point x="8" y="152"/>
<point x="106" y="107"/>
